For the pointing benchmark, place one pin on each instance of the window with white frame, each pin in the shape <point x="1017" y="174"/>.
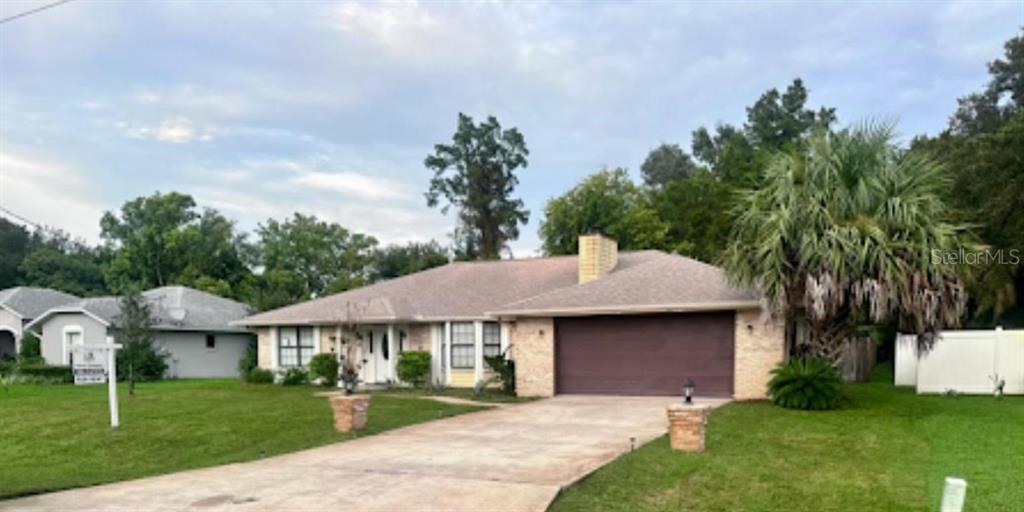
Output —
<point x="463" y="345"/>
<point x="492" y="339"/>
<point x="72" y="336"/>
<point x="295" y="346"/>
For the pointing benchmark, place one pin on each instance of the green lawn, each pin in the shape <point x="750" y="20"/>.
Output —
<point x="56" y="437"/>
<point x="887" y="450"/>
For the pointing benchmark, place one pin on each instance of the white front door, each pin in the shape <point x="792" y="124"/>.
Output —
<point x="375" y="355"/>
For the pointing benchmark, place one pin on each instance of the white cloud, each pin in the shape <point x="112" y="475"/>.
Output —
<point x="194" y="100"/>
<point x="253" y="206"/>
<point x="50" y="194"/>
<point x="178" y="130"/>
<point x="351" y="183"/>
<point x="400" y="26"/>
<point x="386" y="221"/>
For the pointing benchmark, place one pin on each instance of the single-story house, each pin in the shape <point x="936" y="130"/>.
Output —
<point x="18" y="307"/>
<point x="193" y="327"/>
<point x="601" y="322"/>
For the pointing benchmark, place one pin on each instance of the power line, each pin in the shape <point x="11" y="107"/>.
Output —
<point x="19" y="218"/>
<point x="33" y="11"/>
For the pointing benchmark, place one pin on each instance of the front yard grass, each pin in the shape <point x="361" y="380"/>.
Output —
<point x="57" y="437"/>
<point x="887" y="450"/>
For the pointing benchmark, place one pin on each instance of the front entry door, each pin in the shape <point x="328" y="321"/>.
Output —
<point x="375" y="355"/>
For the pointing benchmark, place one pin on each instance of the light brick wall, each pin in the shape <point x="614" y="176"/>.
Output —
<point x="533" y="349"/>
<point x="263" y="347"/>
<point x="760" y="347"/>
<point x="326" y="343"/>
<point x="420" y="338"/>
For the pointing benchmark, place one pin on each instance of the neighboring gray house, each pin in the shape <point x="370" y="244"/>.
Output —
<point x="18" y="307"/>
<point x="191" y="326"/>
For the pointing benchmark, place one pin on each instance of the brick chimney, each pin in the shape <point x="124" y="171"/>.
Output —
<point x="598" y="256"/>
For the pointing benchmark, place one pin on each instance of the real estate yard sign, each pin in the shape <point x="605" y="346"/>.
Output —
<point x="90" y="364"/>
<point x="96" y="364"/>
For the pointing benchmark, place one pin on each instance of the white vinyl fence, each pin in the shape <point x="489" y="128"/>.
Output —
<point x="963" y="361"/>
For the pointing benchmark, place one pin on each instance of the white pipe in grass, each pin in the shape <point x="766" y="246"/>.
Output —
<point x="953" y="494"/>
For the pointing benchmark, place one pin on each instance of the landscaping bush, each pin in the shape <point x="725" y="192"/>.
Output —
<point x="324" y="366"/>
<point x="414" y="367"/>
<point x="249" y="362"/>
<point x="808" y="384"/>
<point x="505" y="370"/>
<point x="7" y="368"/>
<point x="31" y="351"/>
<point x="150" y="364"/>
<point x="259" y="376"/>
<point x="294" y="377"/>
<point x="46" y="373"/>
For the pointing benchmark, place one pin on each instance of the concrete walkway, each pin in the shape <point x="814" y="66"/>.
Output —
<point x="507" y="459"/>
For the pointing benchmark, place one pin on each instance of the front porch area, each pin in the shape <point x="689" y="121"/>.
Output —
<point x="457" y="348"/>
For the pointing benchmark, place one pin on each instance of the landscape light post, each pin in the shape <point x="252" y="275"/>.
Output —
<point x="688" y="386"/>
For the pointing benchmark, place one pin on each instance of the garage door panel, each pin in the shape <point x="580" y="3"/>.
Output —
<point x="645" y="355"/>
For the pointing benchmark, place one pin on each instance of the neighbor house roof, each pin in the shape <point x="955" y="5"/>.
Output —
<point x="474" y="290"/>
<point x="666" y="282"/>
<point x="28" y="302"/>
<point x="173" y="308"/>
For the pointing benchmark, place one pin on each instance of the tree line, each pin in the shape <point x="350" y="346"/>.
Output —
<point x="166" y="239"/>
<point x="687" y="203"/>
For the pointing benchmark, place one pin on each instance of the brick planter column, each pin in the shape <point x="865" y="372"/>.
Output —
<point x="686" y="427"/>
<point x="349" y="411"/>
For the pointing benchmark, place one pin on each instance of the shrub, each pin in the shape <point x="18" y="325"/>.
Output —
<point x="149" y="364"/>
<point x="249" y="361"/>
<point x="324" y="366"/>
<point x="7" y="368"/>
<point x="260" y="376"/>
<point x="809" y="384"/>
<point x="294" y="377"/>
<point x="46" y="373"/>
<point x="30" y="351"/>
<point x="413" y="367"/>
<point x="505" y="370"/>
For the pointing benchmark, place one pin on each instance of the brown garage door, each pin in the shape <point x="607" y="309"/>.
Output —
<point x="645" y="355"/>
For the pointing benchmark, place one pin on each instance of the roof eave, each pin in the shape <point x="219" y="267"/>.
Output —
<point x="629" y="310"/>
<point x="13" y="312"/>
<point x="365" y="320"/>
<point x="65" y="310"/>
<point x="310" y="321"/>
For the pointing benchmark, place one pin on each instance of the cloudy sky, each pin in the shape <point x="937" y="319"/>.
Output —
<point x="260" y="109"/>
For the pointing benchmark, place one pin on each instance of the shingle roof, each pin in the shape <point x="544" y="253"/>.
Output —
<point x="31" y="302"/>
<point x="472" y="290"/>
<point x="666" y="282"/>
<point x="173" y="308"/>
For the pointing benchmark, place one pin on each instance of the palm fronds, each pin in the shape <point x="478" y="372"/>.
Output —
<point x="843" y="232"/>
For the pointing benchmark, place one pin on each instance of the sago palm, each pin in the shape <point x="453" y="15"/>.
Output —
<point x="844" y="232"/>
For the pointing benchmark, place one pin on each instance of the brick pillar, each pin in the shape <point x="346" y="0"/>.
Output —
<point x="349" y="412"/>
<point x="686" y="427"/>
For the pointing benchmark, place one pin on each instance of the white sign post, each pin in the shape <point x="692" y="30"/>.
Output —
<point x="96" y="364"/>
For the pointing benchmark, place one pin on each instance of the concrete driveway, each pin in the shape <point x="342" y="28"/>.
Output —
<point x="507" y="459"/>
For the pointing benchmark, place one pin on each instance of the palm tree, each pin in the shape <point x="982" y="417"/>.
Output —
<point x="844" y="233"/>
